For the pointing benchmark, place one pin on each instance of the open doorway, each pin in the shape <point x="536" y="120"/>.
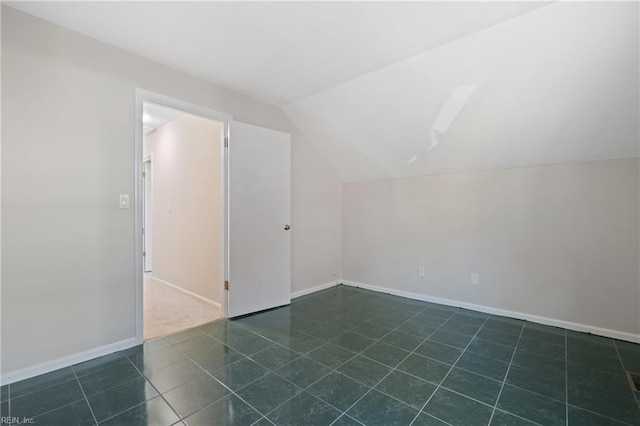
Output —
<point x="182" y="220"/>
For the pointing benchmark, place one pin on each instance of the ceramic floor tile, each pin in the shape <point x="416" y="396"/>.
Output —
<point x="505" y="325"/>
<point x="268" y="393"/>
<point x="42" y="401"/>
<point x="155" y="412"/>
<point x="579" y="416"/>
<point x="425" y="419"/>
<point x="376" y="408"/>
<point x="40" y="382"/>
<point x="372" y="331"/>
<point x="537" y="362"/>
<point x="502" y="418"/>
<point x="619" y="406"/>
<point x="229" y="410"/>
<point x="472" y="385"/>
<point x="121" y="398"/>
<point x="495" y="336"/>
<point x="183" y="336"/>
<point x="303" y="372"/>
<point x="225" y="331"/>
<point x="484" y="366"/>
<point x="302" y="343"/>
<point x="198" y="345"/>
<point x="345" y="420"/>
<point x="408" y="389"/>
<point x="331" y="356"/>
<point x="425" y="368"/>
<point x="364" y="370"/>
<point x="460" y="327"/>
<point x="75" y="414"/>
<point x="218" y="358"/>
<point x="420" y="328"/>
<point x="251" y="344"/>
<point x="195" y="395"/>
<point x="338" y="390"/>
<point x="542" y="347"/>
<point x="457" y="410"/>
<point x="402" y="340"/>
<point x="157" y="359"/>
<point x="305" y="409"/>
<point x="370" y="334"/>
<point x="108" y="378"/>
<point x="353" y="342"/>
<point x="540" y="335"/>
<point x="167" y="378"/>
<point x="439" y="352"/>
<point x="449" y="338"/>
<point x="97" y="364"/>
<point x="549" y="385"/>
<point x="240" y="373"/>
<point x="275" y="357"/>
<point x="491" y="350"/>
<point x="385" y="354"/>
<point x="533" y="407"/>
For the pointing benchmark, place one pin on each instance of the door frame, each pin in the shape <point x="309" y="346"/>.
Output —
<point x="142" y="96"/>
<point x="146" y="229"/>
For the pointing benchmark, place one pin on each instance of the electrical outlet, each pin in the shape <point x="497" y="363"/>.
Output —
<point x="421" y="271"/>
<point x="475" y="278"/>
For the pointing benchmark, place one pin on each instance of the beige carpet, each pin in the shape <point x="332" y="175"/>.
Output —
<point x="168" y="311"/>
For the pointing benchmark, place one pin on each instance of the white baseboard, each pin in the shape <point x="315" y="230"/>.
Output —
<point x="66" y="361"/>
<point x="314" y="289"/>
<point x="187" y="292"/>
<point x="614" y="334"/>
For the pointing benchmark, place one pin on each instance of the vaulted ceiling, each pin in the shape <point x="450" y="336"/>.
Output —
<point x="391" y="90"/>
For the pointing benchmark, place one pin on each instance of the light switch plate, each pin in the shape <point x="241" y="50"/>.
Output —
<point x="124" y="201"/>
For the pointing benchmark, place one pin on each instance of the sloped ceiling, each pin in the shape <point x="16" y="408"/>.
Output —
<point x="391" y="90"/>
<point x="559" y="84"/>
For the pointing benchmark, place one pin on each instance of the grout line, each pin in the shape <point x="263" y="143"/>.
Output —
<point x="507" y="374"/>
<point x="405" y="358"/>
<point x="449" y="372"/>
<point x="601" y="415"/>
<point x="375" y="306"/>
<point x="147" y="379"/>
<point x="85" y="395"/>
<point x="347" y="330"/>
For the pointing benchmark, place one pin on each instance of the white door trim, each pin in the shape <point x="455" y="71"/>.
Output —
<point x="148" y="96"/>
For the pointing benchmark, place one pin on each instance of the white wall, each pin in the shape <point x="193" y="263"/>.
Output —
<point x="67" y="153"/>
<point x="187" y="205"/>
<point x="316" y="251"/>
<point x="556" y="241"/>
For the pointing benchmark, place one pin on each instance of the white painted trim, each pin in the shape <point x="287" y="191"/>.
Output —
<point x="314" y="289"/>
<point x="141" y="96"/>
<point x="187" y="292"/>
<point x="66" y="361"/>
<point x="614" y="334"/>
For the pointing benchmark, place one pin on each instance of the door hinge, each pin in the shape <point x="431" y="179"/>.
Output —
<point x="144" y="174"/>
<point x="226" y="142"/>
<point x="144" y="254"/>
<point x="226" y="285"/>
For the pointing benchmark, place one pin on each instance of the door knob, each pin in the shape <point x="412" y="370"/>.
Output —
<point x="287" y="227"/>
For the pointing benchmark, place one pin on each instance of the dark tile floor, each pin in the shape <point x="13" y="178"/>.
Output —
<point x="346" y="356"/>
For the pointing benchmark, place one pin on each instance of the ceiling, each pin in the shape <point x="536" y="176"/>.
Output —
<point x="391" y="90"/>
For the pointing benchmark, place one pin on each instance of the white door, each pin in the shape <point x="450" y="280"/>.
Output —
<point x="259" y="248"/>
<point x="146" y="226"/>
